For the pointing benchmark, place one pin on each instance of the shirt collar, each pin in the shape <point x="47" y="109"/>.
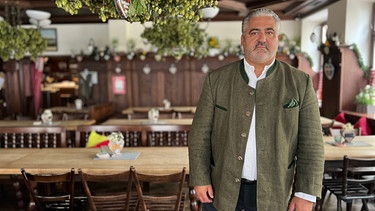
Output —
<point x="249" y="69"/>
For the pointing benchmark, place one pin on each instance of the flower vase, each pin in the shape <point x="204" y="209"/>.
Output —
<point x="116" y="143"/>
<point x="367" y="109"/>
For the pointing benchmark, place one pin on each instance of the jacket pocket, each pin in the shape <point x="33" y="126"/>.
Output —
<point x="221" y="107"/>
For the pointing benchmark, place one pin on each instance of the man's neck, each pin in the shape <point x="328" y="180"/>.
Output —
<point x="259" y="67"/>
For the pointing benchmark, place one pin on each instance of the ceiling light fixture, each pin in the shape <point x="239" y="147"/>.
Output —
<point x="39" y="18"/>
<point x="209" y="12"/>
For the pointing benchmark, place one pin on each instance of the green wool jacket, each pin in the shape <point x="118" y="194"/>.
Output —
<point x="288" y="135"/>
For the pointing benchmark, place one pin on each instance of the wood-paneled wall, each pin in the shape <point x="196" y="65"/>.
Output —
<point x="182" y="88"/>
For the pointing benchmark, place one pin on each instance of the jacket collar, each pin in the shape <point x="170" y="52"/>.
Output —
<point x="244" y="75"/>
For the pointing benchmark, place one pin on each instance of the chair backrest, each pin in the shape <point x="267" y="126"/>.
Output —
<point x="33" y="137"/>
<point x="361" y="171"/>
<point x="326" y="128"/>
<point x="139" y="135"/>
<point x="167" y="135"/>
<point x="50" y="191"/>
<point x="114" y="193"/>
<point x="161" y="201"/>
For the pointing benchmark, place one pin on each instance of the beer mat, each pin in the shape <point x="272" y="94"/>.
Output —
<point x="122" y="156"/>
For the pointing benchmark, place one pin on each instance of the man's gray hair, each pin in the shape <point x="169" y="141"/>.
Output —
<point x="261" y="12"/>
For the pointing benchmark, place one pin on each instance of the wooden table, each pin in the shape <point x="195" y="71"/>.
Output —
<point x="155" y="160"/>
<point x="178" y="110"/>
<point x="70" y="125"/>
<point x="151" y="160"/>
<point x="70" y="110"/>
<point x="145" y="109"/>
<point x="336" y="153"/>
<point x="148" y="122"/>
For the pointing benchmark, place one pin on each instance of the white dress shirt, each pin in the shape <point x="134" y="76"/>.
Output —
<point x="250" y="162"/>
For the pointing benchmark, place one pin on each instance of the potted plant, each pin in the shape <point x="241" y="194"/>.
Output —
<point x="365" y="100"/>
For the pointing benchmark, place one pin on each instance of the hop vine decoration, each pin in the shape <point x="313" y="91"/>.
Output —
<point x="175" y="31"/>
<point x="177" y="37"/>
<point x="17" y="42"/>
<point x="141" y="10"/>
<point x="104" y="8"/>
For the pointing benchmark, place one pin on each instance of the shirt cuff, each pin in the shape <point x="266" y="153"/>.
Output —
<point x="305" y="196"/>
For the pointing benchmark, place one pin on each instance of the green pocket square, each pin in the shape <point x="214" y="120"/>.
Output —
<point x="292" y="103"/>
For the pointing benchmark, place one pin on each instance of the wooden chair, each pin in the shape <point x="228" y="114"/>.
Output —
<point x="327" y="127"/>
<point x="50" y="191"/>
<point x="160" y="201"/>
<point x="32" y="137"/>
<point x="102" y="195"/>
<point x="353" y="184"/>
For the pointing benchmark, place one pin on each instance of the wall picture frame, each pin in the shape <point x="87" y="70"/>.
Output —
<point x="51" y="36"/>
<point x="118" y="85"/>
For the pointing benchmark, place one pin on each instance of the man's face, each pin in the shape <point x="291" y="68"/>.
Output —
<point x="260" y="40"/>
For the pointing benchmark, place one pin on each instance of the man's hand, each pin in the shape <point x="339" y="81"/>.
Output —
<point x="299" y="204"/>
<point x="205" y="194"/>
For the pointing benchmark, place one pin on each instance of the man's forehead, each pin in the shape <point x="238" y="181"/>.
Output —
<point x="262" y="23"/>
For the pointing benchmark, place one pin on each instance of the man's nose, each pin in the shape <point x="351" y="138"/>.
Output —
<point x="262" y="37"/>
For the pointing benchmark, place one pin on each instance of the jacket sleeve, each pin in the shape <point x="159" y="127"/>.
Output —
<point x="310" y="150"/>
<point x="199" y="142"/>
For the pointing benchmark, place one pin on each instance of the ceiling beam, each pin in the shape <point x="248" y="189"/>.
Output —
<point x="234" y="5"/>
<point x="295" y="7"/>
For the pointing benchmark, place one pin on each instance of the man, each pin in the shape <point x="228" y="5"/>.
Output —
<point x="257" y="124"/>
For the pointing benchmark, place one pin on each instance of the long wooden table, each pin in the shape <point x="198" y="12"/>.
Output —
<point x="70" y="125"/>
<point x="177" y="110"/>
<point x="148" y="122"/>
<point x="145" y="109"/>
<point x="152" y="160"/>
<point x="155" y="160"/>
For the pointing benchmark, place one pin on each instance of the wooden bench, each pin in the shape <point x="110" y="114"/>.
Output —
<point x="139" y="135"/>
<point x="101" y="112"/>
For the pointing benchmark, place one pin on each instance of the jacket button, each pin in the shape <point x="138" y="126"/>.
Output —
<point x="240" y="157"/>
<point x="237" y="180"/>
<point x="243" y="135"/>
<point x="248" y="113"/>
<point x="251" y="92"/>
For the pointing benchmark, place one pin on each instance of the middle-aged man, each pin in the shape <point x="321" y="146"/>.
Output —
<point x="256" y="129"/>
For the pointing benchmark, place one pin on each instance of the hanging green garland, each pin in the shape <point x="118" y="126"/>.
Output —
<point x="364" y="67"/>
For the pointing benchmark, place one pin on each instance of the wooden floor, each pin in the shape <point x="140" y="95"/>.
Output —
<point x="8" y="203"/>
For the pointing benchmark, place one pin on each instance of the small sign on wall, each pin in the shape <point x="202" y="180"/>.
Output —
<point x="119" y="85"/>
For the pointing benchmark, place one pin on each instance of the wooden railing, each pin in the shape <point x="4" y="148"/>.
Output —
<point x="32" y="137"/>
<point x="138" y="135"/>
